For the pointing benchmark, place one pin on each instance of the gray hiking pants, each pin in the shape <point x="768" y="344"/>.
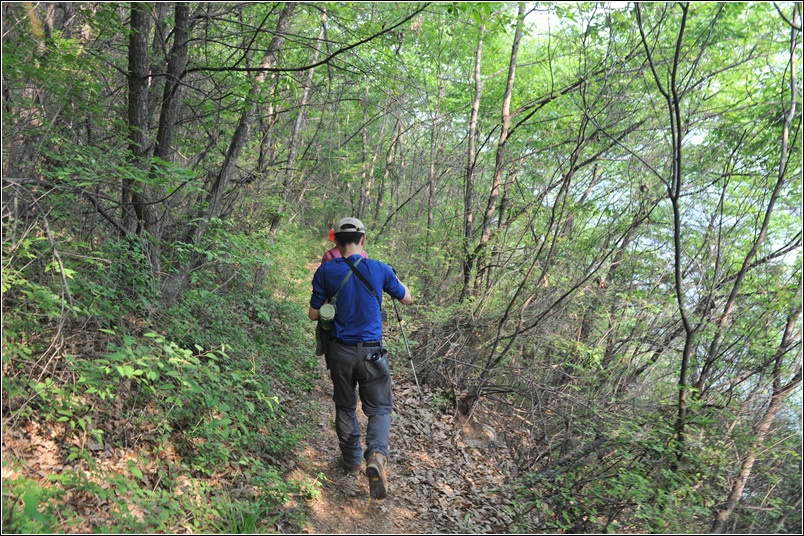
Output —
<point x="352" y="372"/>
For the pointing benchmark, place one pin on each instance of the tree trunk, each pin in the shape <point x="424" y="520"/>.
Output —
<point x="138" y="77"/>
<point x="159" y="55"/>
<point x="789" y="337"/>
<point x="469" y="192"/>
<point x="780" y="392"/>
<point x="389" y="162"/>
<point x="241" y="132"/>
<point x="673" y="101"/>
<point x="435" y="152"/>
<point x="176" y="62"/>
<point x="176" y="282"/>
<point x="749" y="258"/>
<point x="163" y="151"/>
<point x="364" y="178"/>
<point x="499" y="163"/>
<point x="295" y="136"/>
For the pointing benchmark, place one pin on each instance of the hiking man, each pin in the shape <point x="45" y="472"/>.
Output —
<point x="356" y="354"/>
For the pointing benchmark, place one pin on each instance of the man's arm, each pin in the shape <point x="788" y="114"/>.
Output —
<point x="407" y="299"/>
<point x="318" y="295"/>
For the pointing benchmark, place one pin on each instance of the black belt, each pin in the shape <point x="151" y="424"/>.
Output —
<point x="367" y="344"/>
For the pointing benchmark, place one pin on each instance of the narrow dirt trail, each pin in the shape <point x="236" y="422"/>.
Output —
<point x="439" y="480"/>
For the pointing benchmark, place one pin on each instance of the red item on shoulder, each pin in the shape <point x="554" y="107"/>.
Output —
<point x="334" y="253"/>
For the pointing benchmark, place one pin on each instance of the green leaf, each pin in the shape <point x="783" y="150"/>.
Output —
<point x="136" y="472"/>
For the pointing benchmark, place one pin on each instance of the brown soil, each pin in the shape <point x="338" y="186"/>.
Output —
<point x="438" y="483"/>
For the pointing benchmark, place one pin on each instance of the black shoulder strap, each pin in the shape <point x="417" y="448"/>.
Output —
<point x="361" y="277"/>
<point x="345" y="279"/>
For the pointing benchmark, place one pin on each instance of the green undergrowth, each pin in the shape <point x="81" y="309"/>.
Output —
<point x="151" y="420"/>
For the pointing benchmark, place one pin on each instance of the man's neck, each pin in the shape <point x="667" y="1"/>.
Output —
<point x="351" y="249"/>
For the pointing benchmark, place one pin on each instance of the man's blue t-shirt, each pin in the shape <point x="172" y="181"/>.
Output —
<point x="358" y="316"/>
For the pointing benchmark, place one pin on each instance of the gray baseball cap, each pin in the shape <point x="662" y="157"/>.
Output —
<point x="350" y="225"/>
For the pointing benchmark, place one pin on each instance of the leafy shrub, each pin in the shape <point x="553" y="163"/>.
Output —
<point x="29" y="508"/>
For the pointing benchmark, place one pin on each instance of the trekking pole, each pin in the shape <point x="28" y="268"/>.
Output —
<point x="410" y="355"/>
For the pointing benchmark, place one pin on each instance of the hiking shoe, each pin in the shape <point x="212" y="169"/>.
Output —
<point x="375" y="471"/>
<point x="350" y="469"/>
